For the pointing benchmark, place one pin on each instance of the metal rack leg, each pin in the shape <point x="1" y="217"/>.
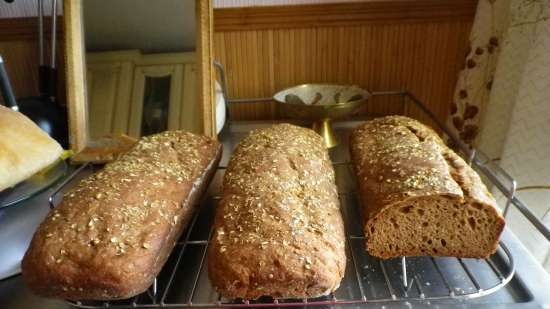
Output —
<point x="404" y="272"/>
<point x="416" y="280"/>
<point x="510" y="198"/>
<point x="387" y="278"/>
<point x="153" y="290"/>
<point x="471" y="156"/>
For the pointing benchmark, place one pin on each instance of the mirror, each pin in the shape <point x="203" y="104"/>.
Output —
<point x="140" y="66"/>
<point x="137" y="67"/>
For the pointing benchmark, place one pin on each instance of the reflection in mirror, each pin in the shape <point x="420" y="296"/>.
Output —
<point x="140" y="66"/>
<point x="155" y="105"/>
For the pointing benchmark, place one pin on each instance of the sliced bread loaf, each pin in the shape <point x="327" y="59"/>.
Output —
<point x="418" y="196"/>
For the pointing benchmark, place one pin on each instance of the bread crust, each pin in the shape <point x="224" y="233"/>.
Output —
<point x="112" y="233"/>
<point x="402" y="163"/>
<point x="278" y="228"/>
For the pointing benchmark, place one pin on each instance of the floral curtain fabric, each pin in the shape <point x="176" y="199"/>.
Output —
<point x="476" y="79"/>
<point x="520" y="105"/>
<point x="502" y="104"/>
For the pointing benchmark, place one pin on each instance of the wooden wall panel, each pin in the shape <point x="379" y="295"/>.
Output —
<point x="421" y="55"/>
<point x="19" y="48"/>
<point x="26" y="8"/>
<point x="380" y="45"/>
<point x="245" y="3"/>
<point x="21" y="60"/>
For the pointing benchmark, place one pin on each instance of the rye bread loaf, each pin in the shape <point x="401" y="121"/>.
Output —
<point x="418" y="196"/>
<point x="278" y="227"/>
<point x="112" y="233"/>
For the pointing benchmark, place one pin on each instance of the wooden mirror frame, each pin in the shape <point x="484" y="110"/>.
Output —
<point x="76" y="73"/>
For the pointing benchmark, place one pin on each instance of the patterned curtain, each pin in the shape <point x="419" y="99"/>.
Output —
<point x="476" y="79"/>
<point x="502" y="104"/>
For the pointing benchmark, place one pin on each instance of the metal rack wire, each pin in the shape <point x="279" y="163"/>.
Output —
<point x="183" y="282"/>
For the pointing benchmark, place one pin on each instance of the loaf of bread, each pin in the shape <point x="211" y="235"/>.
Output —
<point x="278" y="228"/>
<point x="418" y="196"/>
<point x="112" y="233"/>
<point x="24" y="148"/>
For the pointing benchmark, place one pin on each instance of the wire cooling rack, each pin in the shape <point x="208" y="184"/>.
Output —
<point x="183" y="282"/>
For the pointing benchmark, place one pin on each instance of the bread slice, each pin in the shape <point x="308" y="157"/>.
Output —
<point x="24" y="148"/>
<point x="105" y="149"/>
<point x="418" y="196"/>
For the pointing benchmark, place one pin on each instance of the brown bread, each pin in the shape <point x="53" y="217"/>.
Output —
<point x="111" y="234"/>
<point x="278" y="228"/>
<point x="418" y="196"/>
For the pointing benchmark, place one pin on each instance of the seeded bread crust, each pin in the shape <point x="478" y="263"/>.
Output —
<point x="112" y="233"/>
<point x="278" y="228"/>
<point x="418" y="196"/>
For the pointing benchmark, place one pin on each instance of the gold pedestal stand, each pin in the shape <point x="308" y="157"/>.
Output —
<point x="324" y="128"/>
<point x="321" y="104"/>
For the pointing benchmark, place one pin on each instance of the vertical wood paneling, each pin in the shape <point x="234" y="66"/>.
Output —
<point x="422" y="57"/>
<point x="21" y="60"/>
<point x="245" y="3"/>
<point x="27" y="8"/>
